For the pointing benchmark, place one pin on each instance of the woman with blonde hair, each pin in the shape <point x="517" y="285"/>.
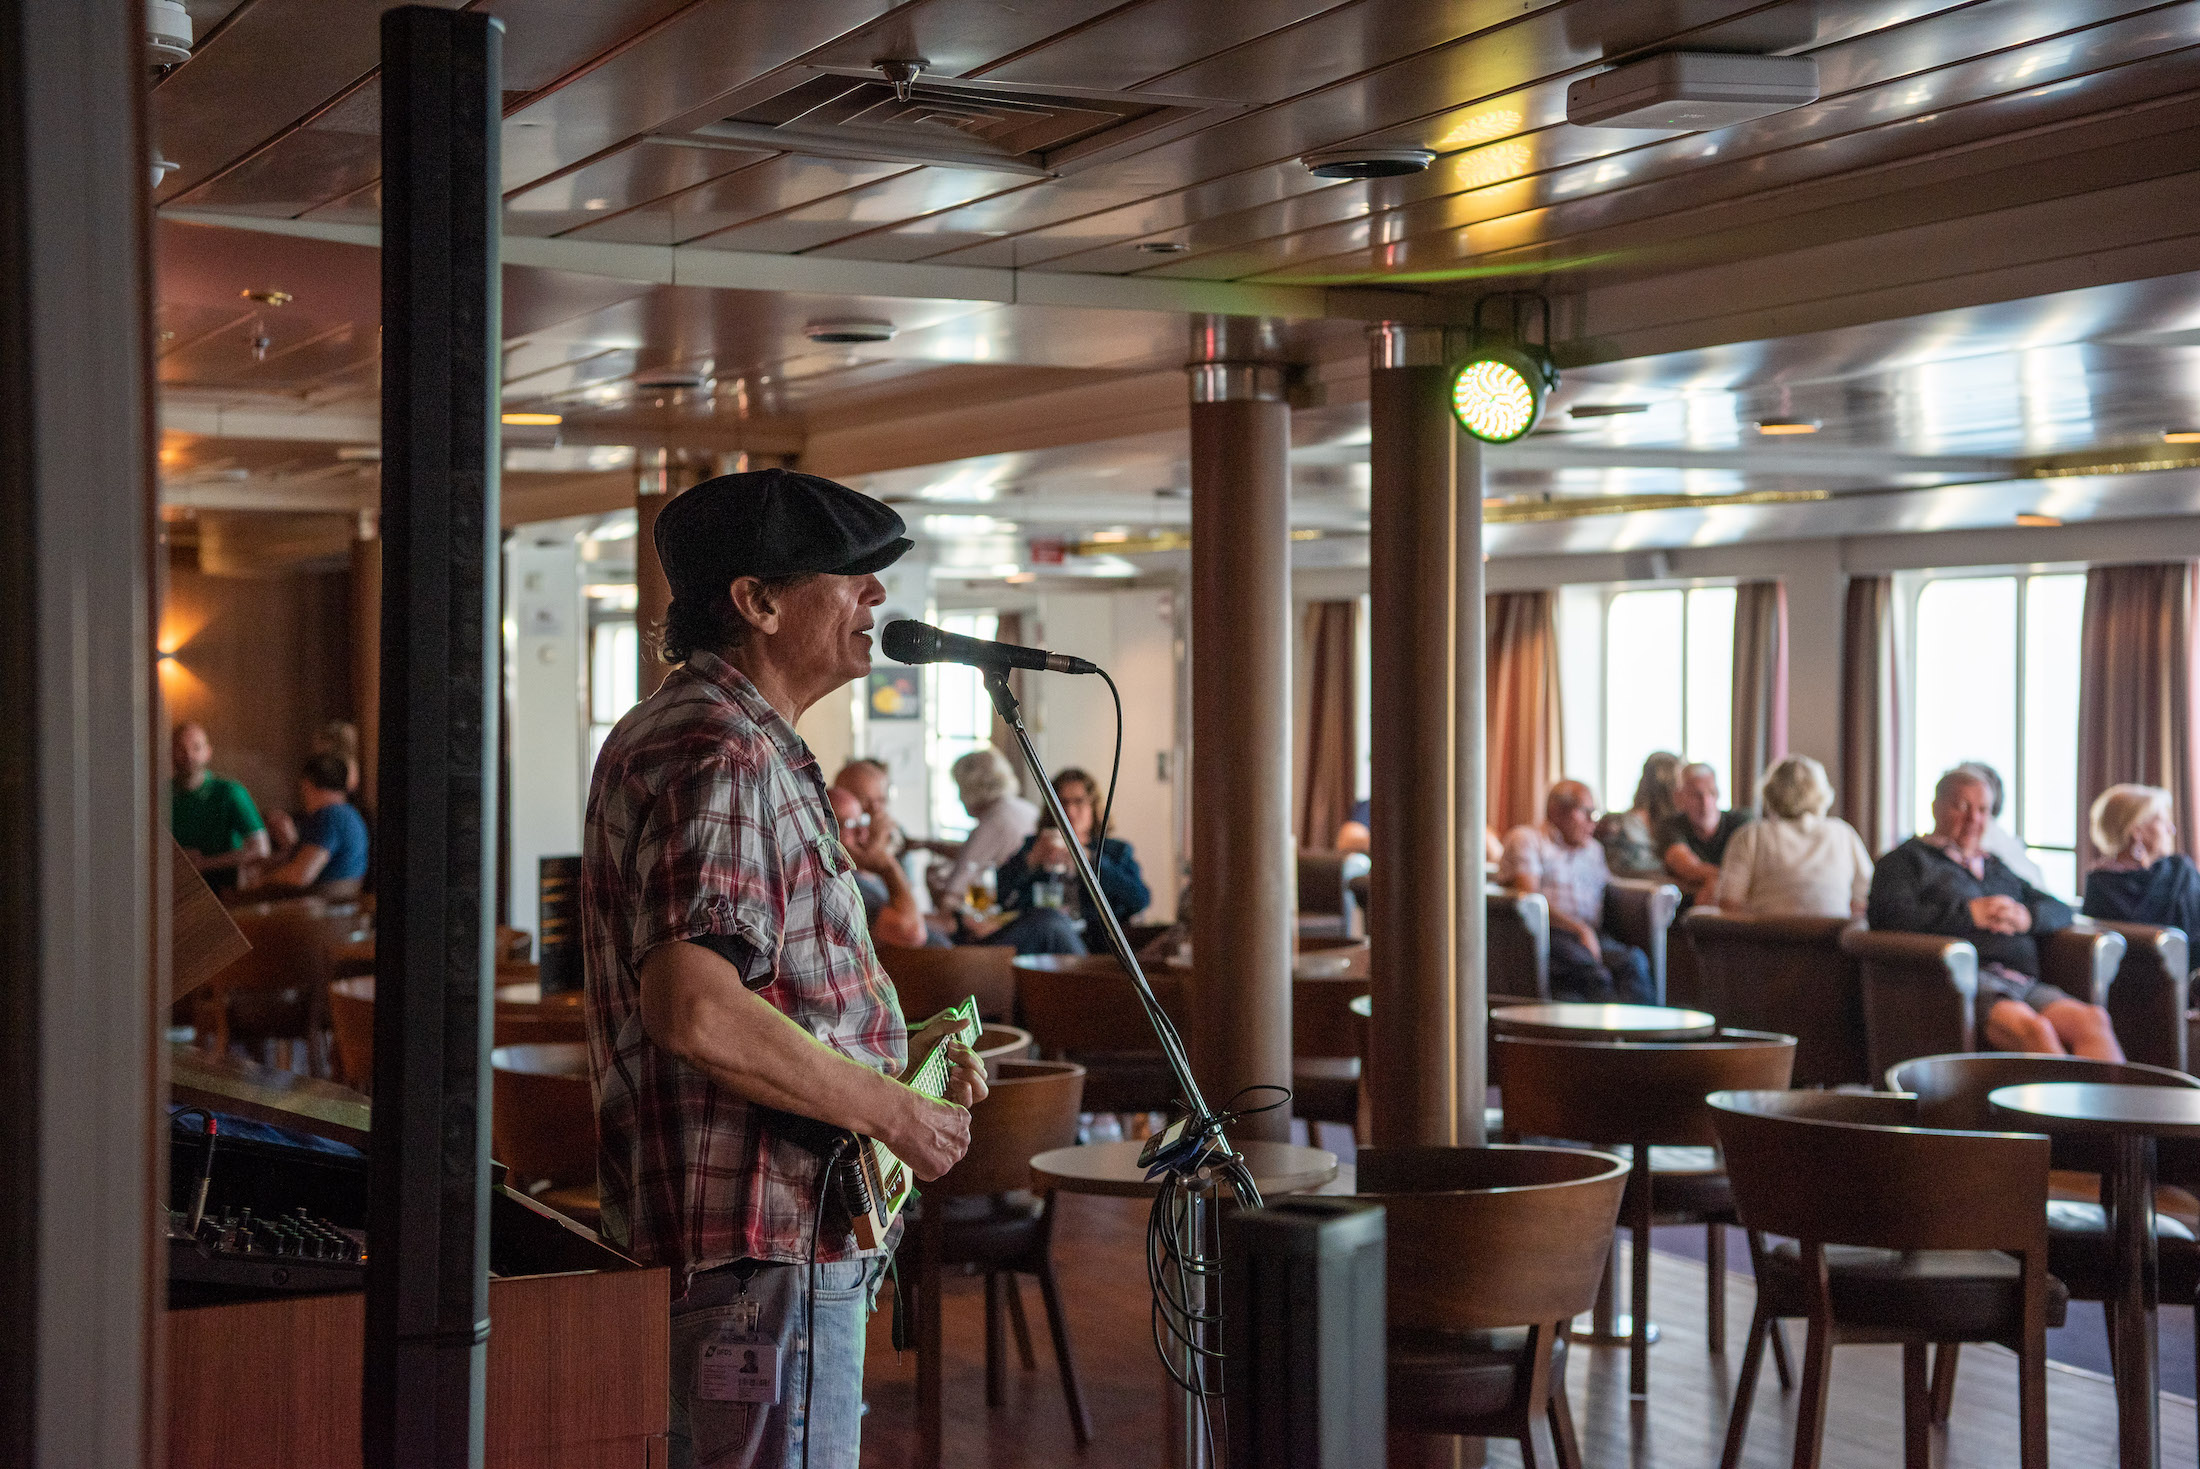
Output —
<point x="1795" y="859"/>
<point x="2142" y="877"/>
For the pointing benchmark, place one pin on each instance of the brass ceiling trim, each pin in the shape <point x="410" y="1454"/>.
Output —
<point x="1531" y="512"/>
<point x="2067" y="469"/>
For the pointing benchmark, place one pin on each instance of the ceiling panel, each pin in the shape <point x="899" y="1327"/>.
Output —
<point x="768" y="188"/>
<point x="920" y="191"/>
<point x="620" y="182"/>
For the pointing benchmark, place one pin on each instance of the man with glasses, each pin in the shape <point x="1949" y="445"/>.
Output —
<point x="1562" y="860"/>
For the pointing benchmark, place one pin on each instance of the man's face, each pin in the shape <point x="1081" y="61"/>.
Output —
<point x="1572" y="814"/>
<point x="1961" y="815"/>
<point x="1699" y="798"/>
<point x="868" y="784"/>
<point x="825" y="626"/>
<point x="849" y="812"/>
<point x="193" y="753"/>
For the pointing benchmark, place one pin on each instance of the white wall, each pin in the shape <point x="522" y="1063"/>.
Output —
<point x="547" y="709"/>
<point x="898" y="742"/>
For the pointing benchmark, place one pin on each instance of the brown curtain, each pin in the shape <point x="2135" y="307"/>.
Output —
<point x="1525" y="755"/>
<point x="1760" y="686"/>
<point x="2135" y="690"/>
<point x="1330" y="758"/>
<point x="1871" y="714"/>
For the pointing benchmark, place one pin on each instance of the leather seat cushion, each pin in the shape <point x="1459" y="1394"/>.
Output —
<point x="1950" y="1295"/>
<point x="2077" y="1251"/>
<point x="1325" y="1088"/>
<point x="1444" y="1381"/>
<point x="1689" y="1183"/>
<point x="983" y="1230"/>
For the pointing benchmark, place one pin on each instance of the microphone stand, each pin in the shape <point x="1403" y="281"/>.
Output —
<point x="1200" y="1152"/>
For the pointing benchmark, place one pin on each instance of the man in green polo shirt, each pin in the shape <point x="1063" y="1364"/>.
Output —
<point x="213" y="817"/>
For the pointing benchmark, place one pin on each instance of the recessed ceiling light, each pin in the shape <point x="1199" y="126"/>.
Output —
<point x="1162" y="247"/>
<point x="1778" y="426"/>
<point x="2034" y="518"/>
<point x="2181" y="436"/>
<point x="534" y="420"/>
<point x="597" y="204"/>
<point x="1605" y="410"/>
<point x="1355" y="161"/>
<point x="1109" y="537"/>
<point x="842" y="331"/>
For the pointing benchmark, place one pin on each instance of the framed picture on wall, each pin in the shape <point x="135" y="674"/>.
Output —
<point x="896" y="694"/>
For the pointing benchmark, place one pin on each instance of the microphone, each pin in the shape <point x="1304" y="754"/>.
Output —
<point x="906" y="641"/>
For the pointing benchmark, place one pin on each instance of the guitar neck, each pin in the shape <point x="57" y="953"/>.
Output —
<point x="929" y="1076"/>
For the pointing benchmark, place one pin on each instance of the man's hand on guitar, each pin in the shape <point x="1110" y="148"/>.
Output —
<point x="932" y="1136"/>
<point x="966" y="1080"/>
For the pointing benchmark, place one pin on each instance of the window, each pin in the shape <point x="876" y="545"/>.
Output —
<point x="961" y="720"/>
<point x="1997" y="681"/>
<point x="614" y="678"/>
<point x="1668" y="685"/>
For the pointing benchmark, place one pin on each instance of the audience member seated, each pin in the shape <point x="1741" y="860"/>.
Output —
<point x="213" y="818"/>
<point x="330" y="855"/>
<point x="872" y="784"/>
<point x="1629" y="838"/>
<point x="1042" y="875"/>
<point x="2142" y="878"/>
<point x="1353" y="835"/>
<point x="988" y="790"/>
<point x="1693" y="839"/>
<point x="889" y="903"/>
<point x="340" y="737"/>
<point x="1946" y="882"/>
<point x="1795" y="860"/>
<point x="1561" y="860"/>
<point x="2000" y="840"/>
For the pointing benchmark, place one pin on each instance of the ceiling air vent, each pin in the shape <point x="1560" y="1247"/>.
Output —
<point x="1006" y="127"/>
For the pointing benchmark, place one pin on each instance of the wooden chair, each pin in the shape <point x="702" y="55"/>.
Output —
<point x="1921" y="990"/>
<point x="278" y="991"/>
<point x="1331" y="957"/>
<point x="1489" y="1252"/>
<point x="1326" y="904"/>
<point x="930" y="980"/>
<point x="1082" y="1008"/>
<point x="1788" y="975"/>
<point x="1325" y="1050"/>
<point x="998" y="1043"/>
<point x="1650" y="1099"/>
<point x="979" y="1215"/>
<point x="1952" y="1094"/>
<point x="351" y="1020"/>
<point x="542" y="1125"/>
<point x="1894" y="1233"/>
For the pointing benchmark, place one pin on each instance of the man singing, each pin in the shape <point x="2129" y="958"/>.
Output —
<point x="736" y="1013"/>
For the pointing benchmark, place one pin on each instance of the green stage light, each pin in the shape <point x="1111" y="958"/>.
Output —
<point x="1497" y="394"/>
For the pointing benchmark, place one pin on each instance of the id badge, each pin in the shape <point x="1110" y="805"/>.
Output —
<point x="739" y="1365"/>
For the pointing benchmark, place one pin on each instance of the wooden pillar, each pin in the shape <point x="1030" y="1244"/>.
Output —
<point x="366" y="652"/>
<point x="1426" y="915"/>
<point x="664" y="473"/>
<point x="1244" y="881"/>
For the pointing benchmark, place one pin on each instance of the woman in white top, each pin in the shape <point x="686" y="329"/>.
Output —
<point x="987" y="787"/>
<point x="1796" y="860"/>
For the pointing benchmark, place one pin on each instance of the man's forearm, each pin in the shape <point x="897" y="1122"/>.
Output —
<point x="695" y="1006"/>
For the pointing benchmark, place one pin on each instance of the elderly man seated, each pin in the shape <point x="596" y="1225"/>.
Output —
<point x="1693" y="840"/>
<point x="1562" y="860"/>
<point x="1946" y="882"/>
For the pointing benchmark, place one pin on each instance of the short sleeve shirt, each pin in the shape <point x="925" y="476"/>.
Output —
<point x="1678" y="830"/>
<point x="340" y="831"/>
<point x="215" y="818"/>
<point x="708" y="820"/>
<point x="1572" y="878"/>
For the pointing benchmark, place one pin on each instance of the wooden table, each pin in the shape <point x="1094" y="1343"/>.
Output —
<point x="1602" y="1022"/>
<point x="2131" y="1118"/>
<point x="1112" y="1169"/>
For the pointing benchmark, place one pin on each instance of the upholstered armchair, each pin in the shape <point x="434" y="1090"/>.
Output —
<point x="1519" y="946"/>
<point x="1640" y="911"/>
<point x="1921" y="990"/>
<point x="1789" y="975"/>
<point x="2150" y="993"/>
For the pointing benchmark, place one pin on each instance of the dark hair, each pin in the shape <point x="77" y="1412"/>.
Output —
<point x="694" y="625"/>
<point x="1069" y="773"/>
<point x="328" y="773"/>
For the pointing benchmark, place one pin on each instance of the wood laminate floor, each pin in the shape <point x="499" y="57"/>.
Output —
<point x="1679" y="1426"/>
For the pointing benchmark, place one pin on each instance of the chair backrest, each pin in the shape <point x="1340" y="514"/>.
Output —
<point x="2152" y="990"/>
<point x="543" y="1115"/>
<point x="998" y="1043"/>
<point x="1322" y="1023"/>
<point x="1952" y="1092"/>
<point x="1031" y="1109"/>
<point x="1330" y="957"/>
<point x="1920" y="993"/>
<point x="1650" y="1094"/>
<point x="293" y="947"/>
<point x="1789" y="975"/>
<point x="1839" y="1168"/>
<point x="351" y="1017"/>
<point x="1084" y="1004"/>
<point x="1519" y="944"/>
<point x="930" y="980"/>
<point x="1484" y="1238"/>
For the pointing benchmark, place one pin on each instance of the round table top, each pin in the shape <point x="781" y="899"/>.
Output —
<point x="2102" y="1107"/>
<point x="529" y="992"/>
<point x="1112" y="1168"/>
<point x="1606" y="1022"/>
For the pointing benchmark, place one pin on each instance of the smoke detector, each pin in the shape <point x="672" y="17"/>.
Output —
<point x="167" y="33"/>
<point x="1354" y="161"/>
<point x="848" y="331"/>
<point x="1692" y="91"/>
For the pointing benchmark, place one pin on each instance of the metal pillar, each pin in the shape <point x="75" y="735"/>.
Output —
<point x="366" y="652"/>
<point x="1244" y="877"/>
<point x="1426" y="915"/>
<point x="428" y="1192"/>
<point x="81" y="992"/>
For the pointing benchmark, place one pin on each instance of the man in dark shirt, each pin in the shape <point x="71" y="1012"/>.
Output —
<point x="1693" y="839"/>
<point x="1945" y="882"/>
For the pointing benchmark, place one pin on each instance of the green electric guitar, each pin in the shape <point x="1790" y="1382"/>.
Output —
<point x="873" y="1182"/>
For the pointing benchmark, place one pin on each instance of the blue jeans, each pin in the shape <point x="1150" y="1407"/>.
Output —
<point x="1618" y="971"/>
<point x="708" y="1434"/>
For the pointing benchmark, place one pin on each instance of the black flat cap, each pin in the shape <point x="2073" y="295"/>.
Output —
<point x="773" y="522"/>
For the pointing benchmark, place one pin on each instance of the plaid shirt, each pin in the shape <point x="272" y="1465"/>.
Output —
<point x="707" y="817"/>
